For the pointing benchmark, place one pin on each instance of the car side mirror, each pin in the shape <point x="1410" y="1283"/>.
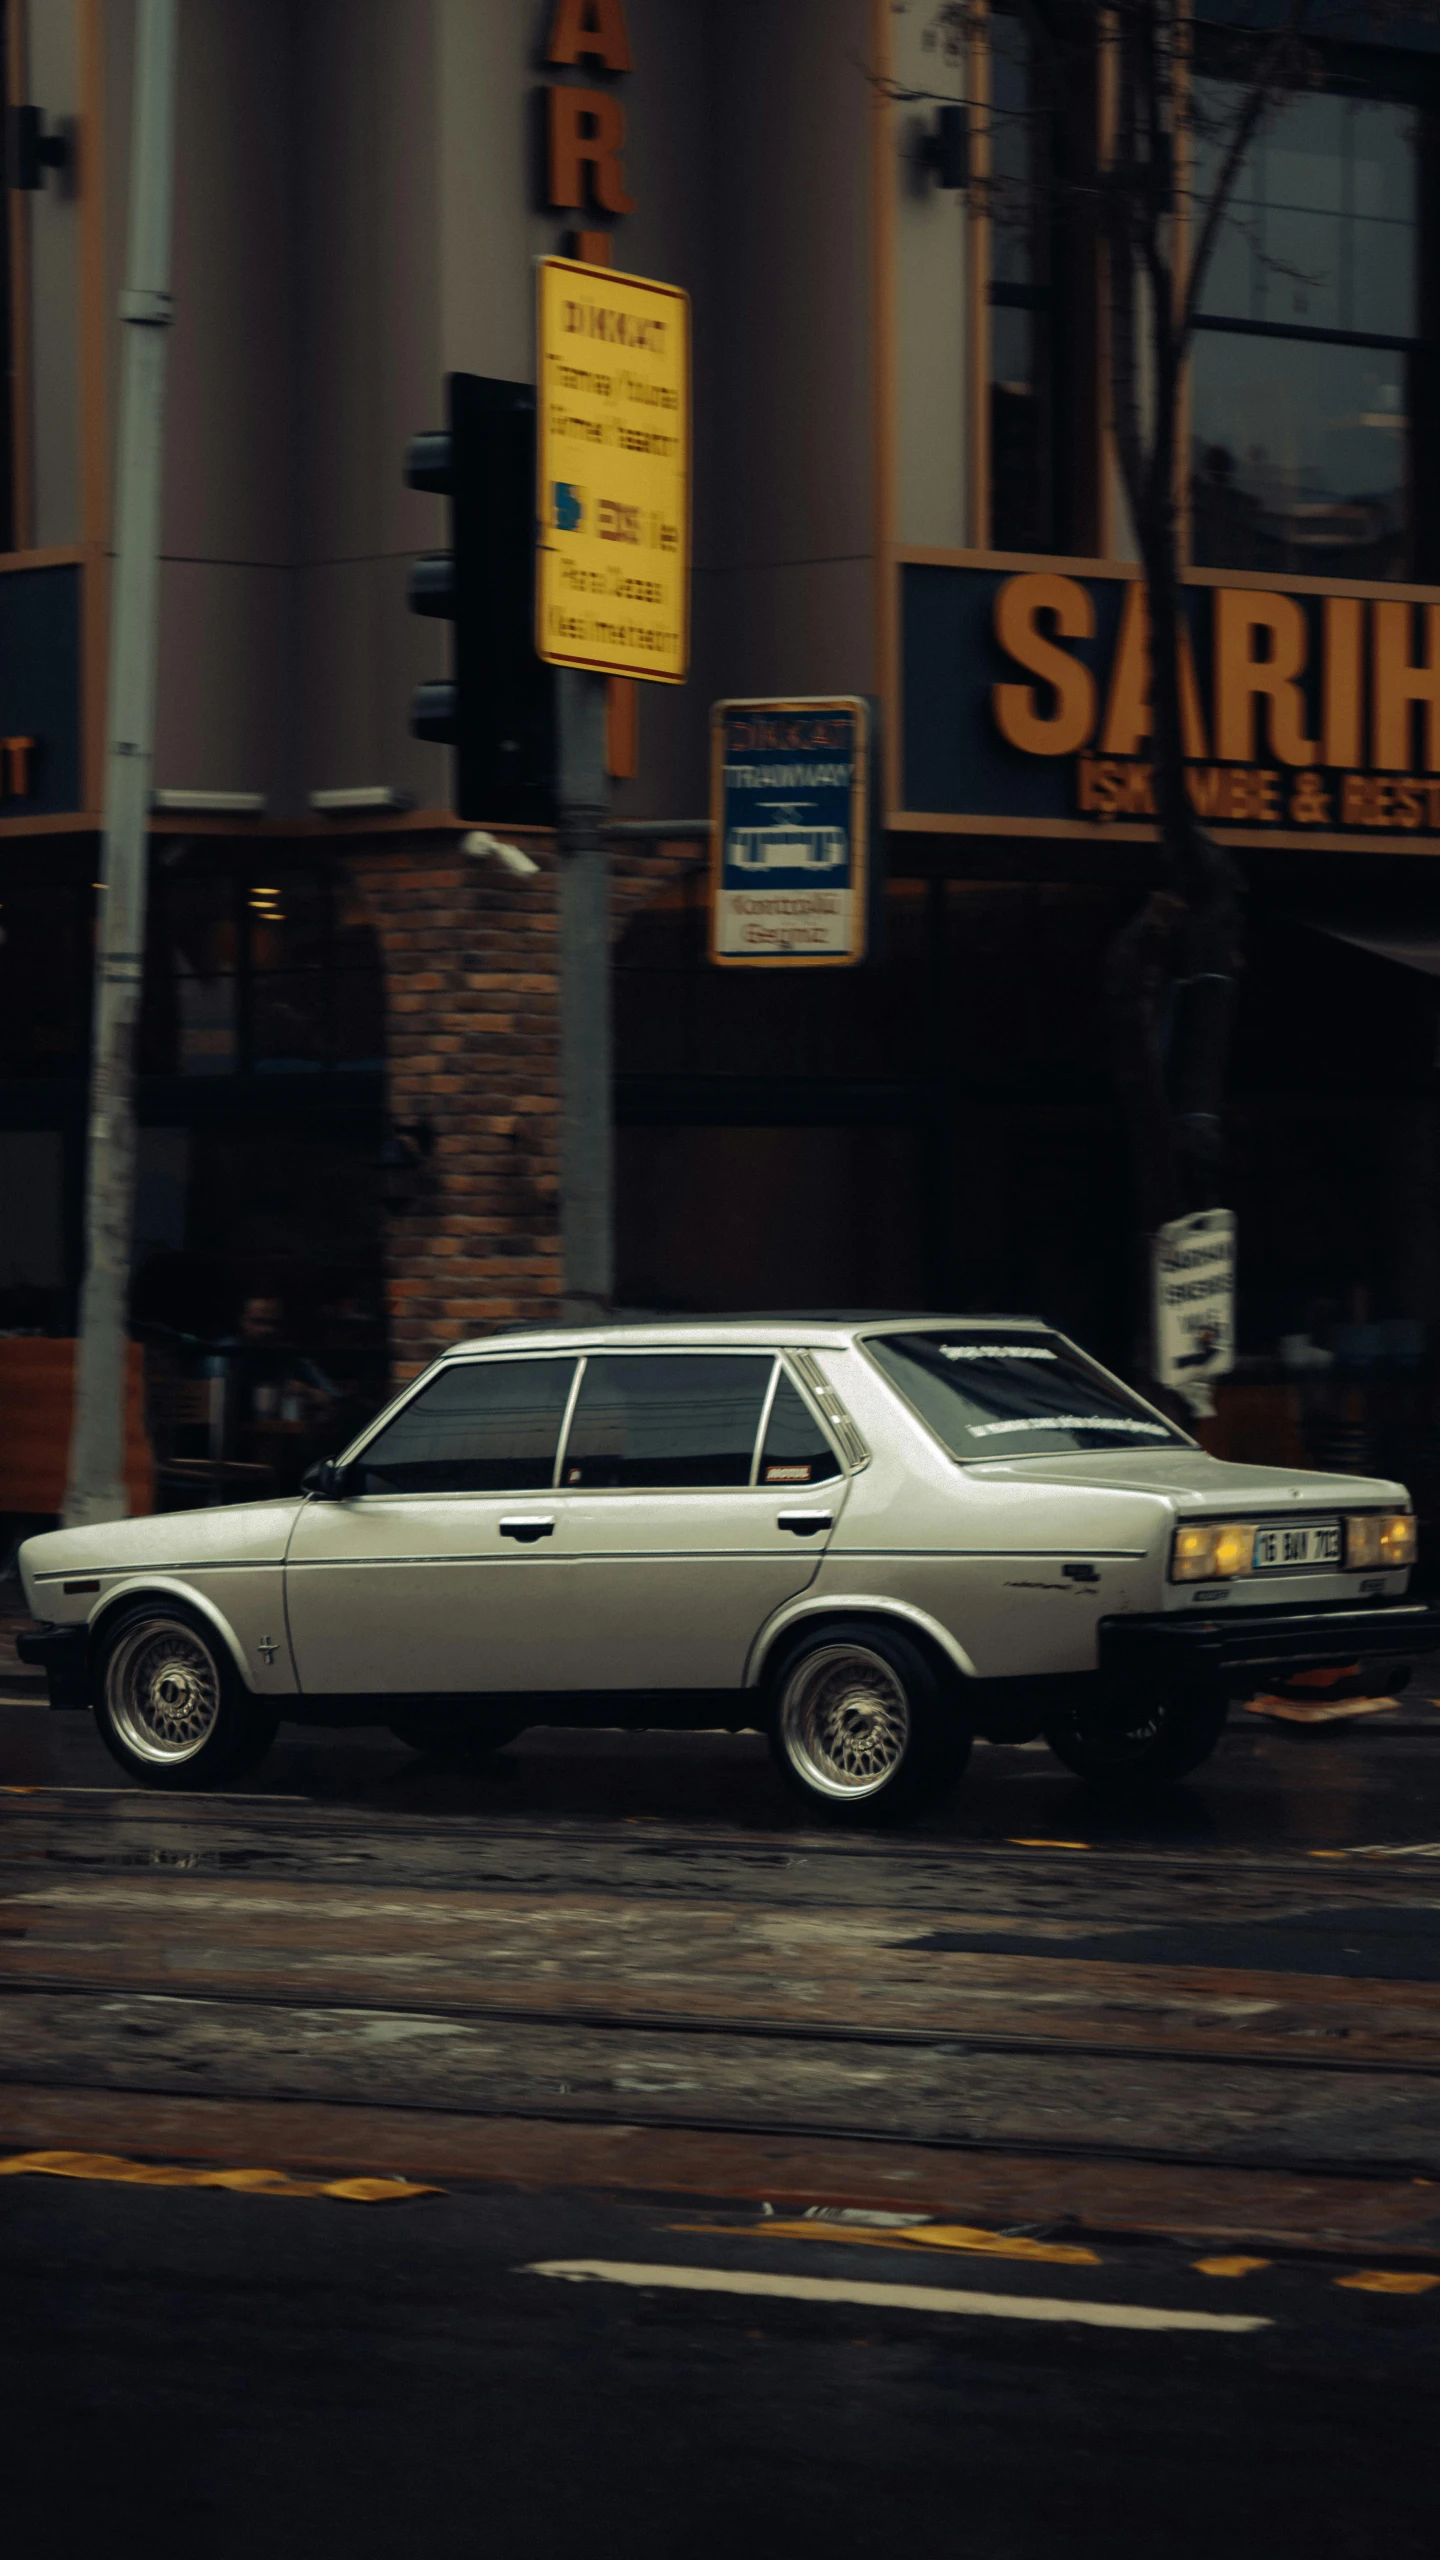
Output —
<point x="327" y="1478"/>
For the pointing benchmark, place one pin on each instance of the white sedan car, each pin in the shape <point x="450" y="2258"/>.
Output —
<point x="874" y="1539"/>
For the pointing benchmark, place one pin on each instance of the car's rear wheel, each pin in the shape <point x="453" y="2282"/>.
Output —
<point x="1135" y="1744"/>
<point x="169" y="1704"/>
<point x="861" y="1724"/>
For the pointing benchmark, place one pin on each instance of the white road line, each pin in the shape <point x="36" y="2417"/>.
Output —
<point x="889" y="2297"/>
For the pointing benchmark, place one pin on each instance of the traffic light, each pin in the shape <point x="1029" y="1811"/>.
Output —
<point x="497" y="709"/>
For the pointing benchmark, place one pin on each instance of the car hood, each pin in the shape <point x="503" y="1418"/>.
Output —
<point x="1191" y="1480"/>
<point x="166" y="1541"/>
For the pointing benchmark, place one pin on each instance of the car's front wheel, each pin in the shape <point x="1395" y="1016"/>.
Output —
<point x="169" y="1704"/>
<point x="1134" y="1744"/>
<point x="861" y="1724"/>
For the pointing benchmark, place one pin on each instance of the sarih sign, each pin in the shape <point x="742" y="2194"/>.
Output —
<point x="1027" y="702"/>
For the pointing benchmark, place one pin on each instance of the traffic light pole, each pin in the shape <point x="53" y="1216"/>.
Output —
<point x="96" y="1489"/>
<point x="586" y="1143"/>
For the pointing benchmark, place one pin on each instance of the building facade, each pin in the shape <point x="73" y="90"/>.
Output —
<point x="904" y="488"/>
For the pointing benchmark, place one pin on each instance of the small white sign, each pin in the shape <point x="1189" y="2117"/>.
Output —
<point x="1193" y="1271"/>
<point x="789" y="867"/>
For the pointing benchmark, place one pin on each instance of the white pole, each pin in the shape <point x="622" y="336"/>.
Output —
<point x="96" y="1488"/>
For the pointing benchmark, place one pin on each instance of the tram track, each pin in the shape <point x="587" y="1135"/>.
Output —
<point x="952" y="2043"/>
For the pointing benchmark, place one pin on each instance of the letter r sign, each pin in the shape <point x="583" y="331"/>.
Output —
<point x="585" y="136"/>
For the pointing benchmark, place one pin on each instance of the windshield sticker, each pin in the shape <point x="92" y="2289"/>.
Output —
<point x="1068" y="1422"/>
<point x="994" y="1351"/>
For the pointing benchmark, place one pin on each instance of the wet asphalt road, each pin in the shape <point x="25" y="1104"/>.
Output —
<point x="1269" y="1786"/>
<point x="613" y="1997"/>
<point x="227" y="2375"/>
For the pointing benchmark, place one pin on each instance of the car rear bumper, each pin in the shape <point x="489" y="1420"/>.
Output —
<point x="63" y="1654"/>
<point x="1234" y="1651"/>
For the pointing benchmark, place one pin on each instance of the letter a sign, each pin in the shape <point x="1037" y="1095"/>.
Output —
<point x="613" y="501"/>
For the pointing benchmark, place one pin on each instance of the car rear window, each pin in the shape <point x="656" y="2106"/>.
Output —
<point x="796" y="1450"/>
<point x="485" y="1426"/>
<point x="677" y="1418"/>
<point x="996" y="1394"/>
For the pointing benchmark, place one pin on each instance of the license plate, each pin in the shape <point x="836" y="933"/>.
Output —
<point x="1310" y="1542"/>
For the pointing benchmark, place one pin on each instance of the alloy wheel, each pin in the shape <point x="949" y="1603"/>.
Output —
<point x="844" y="1721"/>
<point x="162" y="1689"/>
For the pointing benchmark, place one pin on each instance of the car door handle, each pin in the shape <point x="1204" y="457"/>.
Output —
<point x="804" y="1524"/>
<point x="527" y="1530"/>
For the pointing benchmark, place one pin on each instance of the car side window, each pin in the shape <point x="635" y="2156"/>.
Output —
<point x="677" y="1418"/>
<point x="796" y="1450"/>
<point x="485" y="1426"/>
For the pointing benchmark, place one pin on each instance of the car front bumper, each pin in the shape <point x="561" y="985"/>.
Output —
<point x="1235" y="1653"/>
<point x="63" y="1654"/>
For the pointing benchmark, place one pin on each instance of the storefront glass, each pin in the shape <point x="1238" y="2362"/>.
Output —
<point x="1302" y="393"/>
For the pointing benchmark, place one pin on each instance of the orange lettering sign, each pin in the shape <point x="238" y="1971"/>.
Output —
<point x="585" y="131"/>
<point x="1399" y="681"/>
<point x="1243" y="678"/>
<point x="591" y="31"/>
<point x="1019" y="715"/>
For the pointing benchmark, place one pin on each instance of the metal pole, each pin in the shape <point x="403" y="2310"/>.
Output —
<point x="586" y="1145"/>
<point x="96" y="1488"/>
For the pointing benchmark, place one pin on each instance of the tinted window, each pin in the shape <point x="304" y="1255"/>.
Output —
<point x="796" y="1450"/>
<point x="482" y="1427"/>
<point x="1016" y="1395"/>
<point x="683" y="1418"/>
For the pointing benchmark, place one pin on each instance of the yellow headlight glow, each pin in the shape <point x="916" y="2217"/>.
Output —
<point x="1212" y="1550"/>
<point x="1382" y="1539"/>
<point x="1398" y="1540"/>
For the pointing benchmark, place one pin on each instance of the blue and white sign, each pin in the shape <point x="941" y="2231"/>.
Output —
<point x="790" y="797"/>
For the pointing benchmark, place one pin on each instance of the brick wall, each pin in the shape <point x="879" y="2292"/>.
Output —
<point x="472" y="1013"/>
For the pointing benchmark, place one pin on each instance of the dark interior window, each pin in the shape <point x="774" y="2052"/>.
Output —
<point x="1044" y="462"/>
<point x="272" y="972"/>
<point x="796" y="1450"/>
<point x="681" y="1418"/>
<point x="485" y="1426"/>
<point x="9" y="539"/>
<point x="1305" y="372"/>
<point x="1022" y="472"/>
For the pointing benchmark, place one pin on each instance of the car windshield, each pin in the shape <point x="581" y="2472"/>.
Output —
<point x="1001" y="1394"/>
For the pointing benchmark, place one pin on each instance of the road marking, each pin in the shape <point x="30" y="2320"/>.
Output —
<point x="923" y="2235"/>
<point x="1387" y="2280"/>
<point x="1227" y="2266"/>
<point x="108" y="2169"/>
<point x="887" y="2297"/>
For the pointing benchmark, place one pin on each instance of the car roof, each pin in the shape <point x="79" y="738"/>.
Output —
<point x="789" y="1331"/>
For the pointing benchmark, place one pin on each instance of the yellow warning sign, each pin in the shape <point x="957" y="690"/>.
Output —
<point x="613" y="450"/>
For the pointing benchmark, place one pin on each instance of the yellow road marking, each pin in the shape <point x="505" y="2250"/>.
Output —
<point x="1228" y="2266"/>
<point x="926" y="2235"/>
<point x="1047" y="1844"/>
<point x="110" y="2170"/>
<point x="1388" y="2280"/>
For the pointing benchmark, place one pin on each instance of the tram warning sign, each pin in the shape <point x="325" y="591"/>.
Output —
<point x="790" y="794"/>
<point x="613" y="455"/>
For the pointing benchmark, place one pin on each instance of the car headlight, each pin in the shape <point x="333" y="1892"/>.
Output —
<point x="1212" y="1550"/>
<point x="1379" y="1539"/>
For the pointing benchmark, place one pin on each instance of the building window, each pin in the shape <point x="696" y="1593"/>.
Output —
<point x="1306" y="360"/>
<point x="259" y="971"/>
<point x="1022" y="406"/>
<point x="13" y="391"/>
<point x="1043" y="265"/>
